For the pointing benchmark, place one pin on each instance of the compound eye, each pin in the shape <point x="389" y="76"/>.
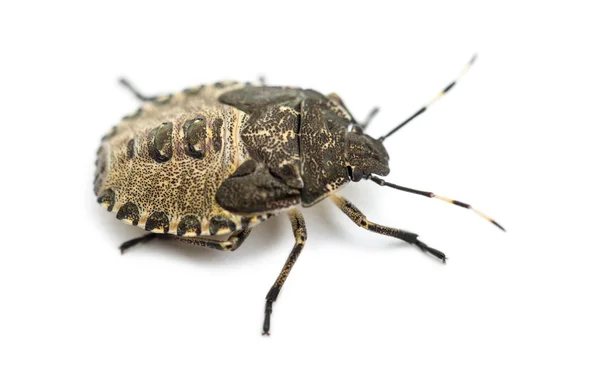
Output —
<point x="355" y="174"/>
<point x="356" y="129"/>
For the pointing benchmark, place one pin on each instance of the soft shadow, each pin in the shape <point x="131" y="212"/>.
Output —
<point x="325" y="222"/>
<point x="266" y="237"/>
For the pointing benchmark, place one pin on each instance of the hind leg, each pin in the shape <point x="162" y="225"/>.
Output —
<point x="127" y="244"/>
<point x="232" y="243"/>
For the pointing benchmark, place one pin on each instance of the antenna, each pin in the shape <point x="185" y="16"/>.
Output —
<point x="428" y="194"/>
<point x="435" y="99"/>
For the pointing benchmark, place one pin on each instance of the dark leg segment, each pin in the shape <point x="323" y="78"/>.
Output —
<point x="299" y="228"/>
<point x="134" y="91"/>
<point x="231" y="244"/>
<point x="369" y="118"/>
<point x="127" y="244"/>
<point x="360" y="219"/>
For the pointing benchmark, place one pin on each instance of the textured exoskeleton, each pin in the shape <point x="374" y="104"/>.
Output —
<point x="221" y="158"/>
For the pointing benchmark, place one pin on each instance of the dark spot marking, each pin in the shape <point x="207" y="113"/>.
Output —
<point x="158" y="220"/>
<point x="219" y="222"/>
<point x="129" y="211"/>
<point x="131" y="149"/>
<point x="219" y="85"/>
<point x="107" y="198"/>
<point x="217" y="131"/>
<point x="195" y="137"/>
<point x="161" y="149"/>
<point x="189" y="224"/>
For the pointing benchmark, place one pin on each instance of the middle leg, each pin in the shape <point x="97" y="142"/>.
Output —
<point x="361" y="220"/>
<point x="299" y="228"/>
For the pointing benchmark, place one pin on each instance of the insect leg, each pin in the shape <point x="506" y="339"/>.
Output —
<point x="374" y="111"/>
<point x="134" y="91"/>
<point x="299" y="228"/>
<point x="362" y="125"/>
<point x="231" y="244"/>
<point x="360" y="219"/>
<point x="127" y="244"/>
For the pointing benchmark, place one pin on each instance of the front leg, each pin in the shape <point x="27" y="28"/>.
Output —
<point x="361" y="220"/>
<point x="299" y="228"/>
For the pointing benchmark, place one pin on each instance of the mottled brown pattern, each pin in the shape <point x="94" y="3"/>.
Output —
<point x="131" y="148"/>
<point x="220" y="224"/>
<point x="130" y="213"/>
<point x="174" y="159"/>
<point x="322" y="151"/>
<point x="107" y="199"/>
<point x="255" y="192"/>
<point x="299" y="229"/>
<point x="195" y="137"/>
<point x="271" y="136"/>
<point x="158" y="222"/>
<point x="361" y="220"/>
<point x="181" y="185"/>
<point x="160" y="144"/>
<point x="189" y="226"/>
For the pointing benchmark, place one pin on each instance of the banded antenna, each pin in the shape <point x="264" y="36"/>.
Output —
<point x="435" y="99"/>
<point x="429" y="194"/>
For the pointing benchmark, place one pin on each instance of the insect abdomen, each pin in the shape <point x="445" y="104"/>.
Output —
<point x="160" y="168"/>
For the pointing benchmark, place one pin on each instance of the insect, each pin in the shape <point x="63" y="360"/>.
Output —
<point x="220" y="159"/>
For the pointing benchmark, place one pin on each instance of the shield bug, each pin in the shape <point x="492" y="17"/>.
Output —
<point x="219" y="159"/>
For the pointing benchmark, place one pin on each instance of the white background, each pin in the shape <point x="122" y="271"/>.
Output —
<point x="517" y="138"/>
